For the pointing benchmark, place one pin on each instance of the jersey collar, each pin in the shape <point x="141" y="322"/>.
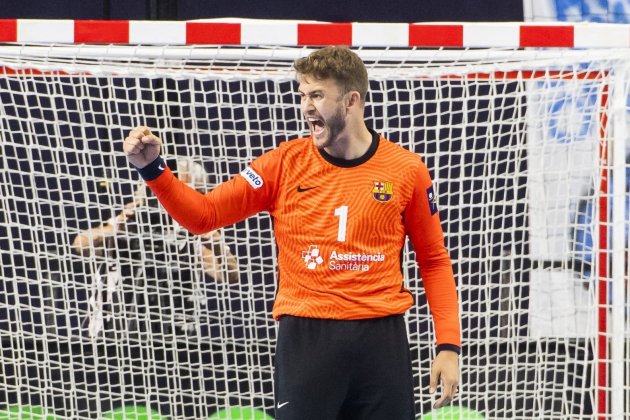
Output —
<point x="349" y="163"/>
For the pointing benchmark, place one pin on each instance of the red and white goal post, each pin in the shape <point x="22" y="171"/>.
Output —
<point x="524" y="128"/>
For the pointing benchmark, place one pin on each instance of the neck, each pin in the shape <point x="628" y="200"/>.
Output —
<point x="352" y="143"/>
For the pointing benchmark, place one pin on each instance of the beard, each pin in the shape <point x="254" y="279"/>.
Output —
<point x="335" y="125"/>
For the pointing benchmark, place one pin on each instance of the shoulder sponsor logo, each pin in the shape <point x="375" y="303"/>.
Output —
<point x="252" y="178"/>
<point x="383" y="191"/>
<point x="432" y="200"/>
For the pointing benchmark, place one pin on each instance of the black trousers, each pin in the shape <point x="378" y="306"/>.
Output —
<point x="343" y="370"/>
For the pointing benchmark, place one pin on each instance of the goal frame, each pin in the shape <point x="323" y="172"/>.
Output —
<point x="381" y="39"/>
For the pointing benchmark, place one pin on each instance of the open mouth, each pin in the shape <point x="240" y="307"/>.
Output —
<point x="317" y="126"/>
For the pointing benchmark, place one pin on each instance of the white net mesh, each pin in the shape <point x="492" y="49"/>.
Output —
<point x="515" y="141"/>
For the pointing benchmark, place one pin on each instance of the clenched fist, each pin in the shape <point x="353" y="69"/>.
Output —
<point x="141" y="147"/>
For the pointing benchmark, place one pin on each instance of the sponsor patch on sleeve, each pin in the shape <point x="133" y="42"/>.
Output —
<point x="252" y="177"/>
<point x="432" y="199"/>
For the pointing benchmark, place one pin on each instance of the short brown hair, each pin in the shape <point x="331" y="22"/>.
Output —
<point x="338" y="63"/>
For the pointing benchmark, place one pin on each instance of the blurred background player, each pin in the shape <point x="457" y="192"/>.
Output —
<point x="157" y="257"/>
<point x="148" y="293"/>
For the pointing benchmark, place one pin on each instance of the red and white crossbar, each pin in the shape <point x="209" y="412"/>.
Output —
<point x="301" y="33"/>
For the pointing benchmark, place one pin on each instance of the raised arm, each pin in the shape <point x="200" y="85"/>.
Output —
<point x="251" y="191"/>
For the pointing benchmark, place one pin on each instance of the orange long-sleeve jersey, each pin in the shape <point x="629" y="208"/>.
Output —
<point x="340" y="227"/>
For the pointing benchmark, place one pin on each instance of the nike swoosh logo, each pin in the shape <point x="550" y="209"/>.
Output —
<point x="161" y="167"/>
<point x="300" y="189"/>
<point x="283" y="404"/>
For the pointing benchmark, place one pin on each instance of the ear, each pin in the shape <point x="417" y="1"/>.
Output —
<point x="353" y="99"/>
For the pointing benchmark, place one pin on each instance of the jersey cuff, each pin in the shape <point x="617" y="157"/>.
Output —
<point x="153" y="169"/>
<point x="451" y="347"/>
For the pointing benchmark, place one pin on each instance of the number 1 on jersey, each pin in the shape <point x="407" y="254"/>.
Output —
<point x="342" y="213"/>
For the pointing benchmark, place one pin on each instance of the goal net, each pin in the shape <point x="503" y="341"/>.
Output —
<point x="100" y="310"/>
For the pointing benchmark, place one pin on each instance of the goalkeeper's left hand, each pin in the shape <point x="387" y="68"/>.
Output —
<point x="445" y="370"/>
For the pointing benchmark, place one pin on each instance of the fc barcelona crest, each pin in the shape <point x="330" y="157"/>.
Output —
<point x="383" y="191"/>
